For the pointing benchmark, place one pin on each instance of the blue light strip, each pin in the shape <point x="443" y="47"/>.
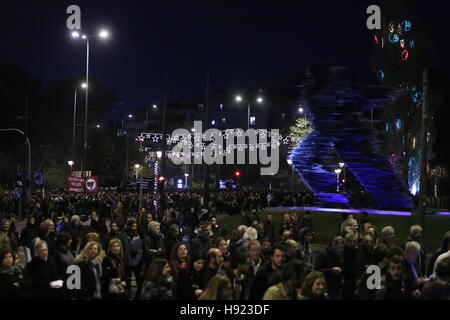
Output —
<point x="369" y="211"/>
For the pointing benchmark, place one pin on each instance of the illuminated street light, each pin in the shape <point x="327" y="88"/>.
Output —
<point x="259" y="100"/>
<point x="300" y="110"/>
<point x="98" y="126"/>
<point x="75" y="34"/>
<point x="238" y="98"/>
<point x="155" y="106"/>
<point x="84" y="85"/>
<point x="103" y="34"/>
<point x="130" y="116"/>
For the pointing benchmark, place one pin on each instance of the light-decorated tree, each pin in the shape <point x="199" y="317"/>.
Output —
<point x="300" y="130"/>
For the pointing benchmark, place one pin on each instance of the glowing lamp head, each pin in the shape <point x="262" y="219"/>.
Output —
<point x="237" y="173"/>
<point x="259" y="100"/>
<point x="161" y="178"/>
<point x="70" y="163"/>
<point x="186" y="175"/>
<point x="289" y="161"/>
<point x="338" y="171"/>
<point x="103" y="34"/>
<point x="137" y="166"/>
<point x="300" y="110"/>
<point x="238" y="98"/>
<point x="75" y="34"/>
<point x="159" y="154"/>
<point x="130" y="116"/>
<point x="341" y="164"/>
<point x="84" y="85"/>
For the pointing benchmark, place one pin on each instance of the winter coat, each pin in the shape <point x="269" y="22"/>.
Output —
<point x="325" y="261"/>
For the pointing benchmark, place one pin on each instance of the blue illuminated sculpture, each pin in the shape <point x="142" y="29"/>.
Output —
<point x="411" y="44"/>
<point x="398" y="124"/>
<point x="394" y="38"/>
<point x="417" y="97"/>
<point x="381" y="74"/>
<point x="406" y="25"/>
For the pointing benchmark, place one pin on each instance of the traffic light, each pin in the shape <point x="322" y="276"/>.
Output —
<point x="237" y="174"/>
<point x="161" y="181"/>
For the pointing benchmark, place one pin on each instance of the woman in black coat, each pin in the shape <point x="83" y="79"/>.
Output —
<point x="90" y="265"/>
<point x="14" y="281"/>
<point x="191" y="281"/>
<point x="115" y="284"/>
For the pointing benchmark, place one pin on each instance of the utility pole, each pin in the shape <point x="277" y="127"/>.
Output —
<point x="423" y="149"/>
<point x="29" y="164"/>
<point x="164" y="129"/>
<point x="206" y="126"/>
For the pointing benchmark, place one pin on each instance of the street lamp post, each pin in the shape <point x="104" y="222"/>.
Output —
<point x="186" y="175"/>
<point x="342" y="166"/>
<point x="70" y="163"/>
<point x="28" y="164"/>
<point x="138" y="171"/>
<point x="75" y="34"/>
<point x="338" y="172"/>
<point x="84" y="86"/>
<point x="239" y="99"/>
<point x="289" y="161"/>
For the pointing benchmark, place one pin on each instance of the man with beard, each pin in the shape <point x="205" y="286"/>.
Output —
<point x="261" y="283"/>
<point x="392" y="284"/>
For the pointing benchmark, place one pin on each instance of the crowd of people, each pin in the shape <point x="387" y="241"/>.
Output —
<point x="185" y="254"/>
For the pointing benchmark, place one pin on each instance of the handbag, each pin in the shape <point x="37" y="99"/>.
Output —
<point x="115" y="287"/>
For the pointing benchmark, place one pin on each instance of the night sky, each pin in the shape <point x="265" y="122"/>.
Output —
<point x="242" y="43"/>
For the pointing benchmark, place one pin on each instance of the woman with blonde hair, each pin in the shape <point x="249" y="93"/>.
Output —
<point x="219" y="288"/>
<point x="314" y="287"/>
<point x="90" y="263"/>
<point x="114" y="280"/>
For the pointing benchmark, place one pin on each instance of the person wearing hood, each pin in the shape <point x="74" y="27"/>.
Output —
<point x="331" y="263"/>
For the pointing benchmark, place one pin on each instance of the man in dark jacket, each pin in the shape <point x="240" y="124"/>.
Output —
<point x="44" y="271"/>
<point x="260" y="284"/>
<point x="415" y="234"/>
<point x="331" y="263"/>
<point x="75" y="228"/>
<point x="203" y="242"/>
<point x="269" y="228"/>
<point x="392" y="284"/>
<point x="380" y="258"/>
